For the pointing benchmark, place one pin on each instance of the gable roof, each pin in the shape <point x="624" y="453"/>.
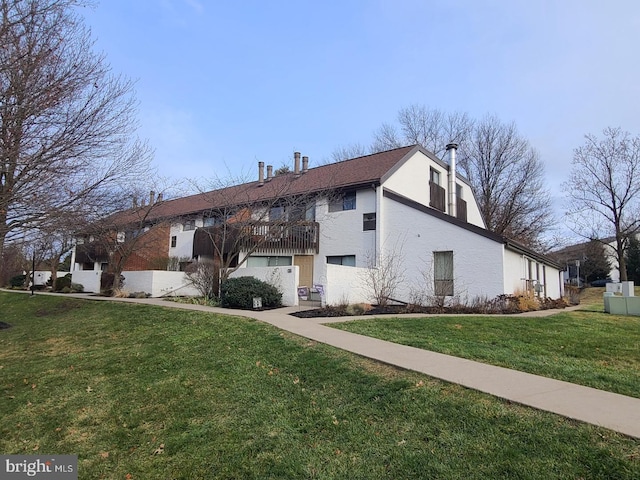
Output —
<point x="365" y="170"/>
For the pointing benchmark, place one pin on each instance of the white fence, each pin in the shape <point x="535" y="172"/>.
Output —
<point x="285" y="279"/>
<point x="158" y="283"/>
<point x="340" y="284"/>
<point x="346" y="285"/>
<point x="89" y="279"/>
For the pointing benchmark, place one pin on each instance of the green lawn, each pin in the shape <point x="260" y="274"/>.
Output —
<point x="140" y="392"/>
<point x="585" y="347"/>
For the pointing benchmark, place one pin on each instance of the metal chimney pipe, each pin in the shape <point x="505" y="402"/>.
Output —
<point x="296" y="163"/>
<point x="451" y="148"/>
<point x="260" y="173"/>
<point x="305" y="164"/>
<point x="269" y="172"/>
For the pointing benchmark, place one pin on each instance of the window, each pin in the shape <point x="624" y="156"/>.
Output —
<point x="211" y="221"/>
<point x="369" y="221"/>
<point x="434" y="176"/>
<point x="347" y="260"/>
<point x="276" y="213"/>
<point x="268" y="261"/>
<point x="303" y="213"/>
<point x="346" y="201"/>
<point x="443" y="273"/>
<point x="458" y="190"/>
<point x="174" y="240"/>
<point x="436" y="192"/>
<point x="189" y="225"/>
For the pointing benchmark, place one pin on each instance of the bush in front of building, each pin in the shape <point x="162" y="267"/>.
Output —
<point x="17" y="281"/>
<point x="239" y="292"/>
<point x="62" y="282"/>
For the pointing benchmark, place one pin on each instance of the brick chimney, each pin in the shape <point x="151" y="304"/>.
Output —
<point x="269" y="172"/>
<point x="305" y="164"/>
<point x="152" y="197"/>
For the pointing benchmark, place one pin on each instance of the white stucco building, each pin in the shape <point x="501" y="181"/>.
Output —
<point x="403" y="207"/>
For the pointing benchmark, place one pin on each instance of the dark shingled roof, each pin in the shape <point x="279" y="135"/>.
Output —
<point x="368" y="169"/>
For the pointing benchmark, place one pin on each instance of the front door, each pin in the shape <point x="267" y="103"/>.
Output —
<point x="305" y="264"/>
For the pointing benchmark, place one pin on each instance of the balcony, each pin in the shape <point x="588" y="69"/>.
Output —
<point x="91" y="252"/>
<point x="259" y="237"/>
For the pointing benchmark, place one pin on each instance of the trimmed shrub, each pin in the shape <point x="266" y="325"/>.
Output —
<point x="17" y="281"/>
<point x="239" y="292"/>
<point x="61" y="283"/>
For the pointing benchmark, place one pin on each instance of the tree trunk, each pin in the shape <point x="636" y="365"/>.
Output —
<point x="622" y="263"/>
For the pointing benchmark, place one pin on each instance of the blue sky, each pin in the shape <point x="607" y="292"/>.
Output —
<point x="222" y="85"/>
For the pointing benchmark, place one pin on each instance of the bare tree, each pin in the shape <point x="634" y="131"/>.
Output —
<point x="348" y="151"/>
<point x="502" y="167"/>
<point x="66" y="121"/>
<point x="429" y="127"/>
<point x="133" y="236"/>
<point x="603" y="190"/>
<point x="242" y="218"/>
<point x="508" y="180"/>
<point x="384" y="273"/>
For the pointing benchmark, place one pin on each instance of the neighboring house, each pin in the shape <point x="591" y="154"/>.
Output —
<point x="576" y="260"/>
<point x="404" y="204"/>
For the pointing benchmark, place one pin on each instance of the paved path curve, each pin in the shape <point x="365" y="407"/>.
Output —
<point x="610" y="410"/>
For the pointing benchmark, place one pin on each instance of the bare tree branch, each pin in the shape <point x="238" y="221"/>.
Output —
<point x="603" y="190"/>
<point x="66" y="122"/>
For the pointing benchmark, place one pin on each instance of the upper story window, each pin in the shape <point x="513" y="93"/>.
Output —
<point x="301" y="213"/>
<point x="436" y="192"/>
<point x="458" y="190"/>
<point x="174" y="241"/>
<point x="189" y="225"/>
<point x="434" y="176"/>
<point x="369" y="221"/>
<point x="346" y="201"/>
<point x="276" y="213"/>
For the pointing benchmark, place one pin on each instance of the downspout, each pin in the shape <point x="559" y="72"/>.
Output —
<point x="451" y="148"/>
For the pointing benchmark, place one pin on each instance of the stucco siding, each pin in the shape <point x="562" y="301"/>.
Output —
<point x="412" y="180"/>
<point x="478" y="261"/>
<point x="184" y="241"/>
<point x="341" y="233"/>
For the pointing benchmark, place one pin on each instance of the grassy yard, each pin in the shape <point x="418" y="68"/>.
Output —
<point x="141" y="392"/>
<point x="587" y="346"/>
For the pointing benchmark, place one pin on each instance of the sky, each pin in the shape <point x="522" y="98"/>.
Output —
<point x="222" y="85"/>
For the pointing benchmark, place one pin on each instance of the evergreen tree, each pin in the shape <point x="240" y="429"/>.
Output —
<point x="633" y="260"/>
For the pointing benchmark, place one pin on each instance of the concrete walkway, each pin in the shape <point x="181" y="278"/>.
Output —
<point x="598" y="407"/>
